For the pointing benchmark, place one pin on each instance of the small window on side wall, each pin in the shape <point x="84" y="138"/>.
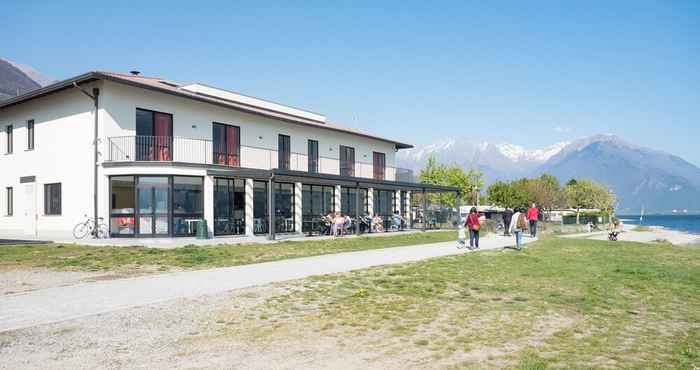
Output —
<point x="30" y="134"/>
<point x="52" y="199"/>
<point x="10" y="199"/>
<point x="8" y="134"/>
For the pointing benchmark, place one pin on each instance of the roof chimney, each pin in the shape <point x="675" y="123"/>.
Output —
<point x="135" y="73"/>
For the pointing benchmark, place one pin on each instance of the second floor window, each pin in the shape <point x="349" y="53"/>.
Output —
<point x="30" y="134"/>
<point x="283" y="152"/>
<point x="347" y="161"/>
<point x="8" y="132"/>
<point x="154" y="136"/>
<point x="52" y="199"/>
<point x="313" y="156"/>
<point x="378" y="165"/>
<point x="227" y="144"/>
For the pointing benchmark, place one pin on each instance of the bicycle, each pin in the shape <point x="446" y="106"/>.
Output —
<point x="89" y="226"/>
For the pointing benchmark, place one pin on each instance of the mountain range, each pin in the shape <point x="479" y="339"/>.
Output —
<point x="641" y="177"/>
<point x="16" y="79"/>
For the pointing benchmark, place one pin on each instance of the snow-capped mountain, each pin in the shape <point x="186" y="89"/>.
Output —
<point x="501" y="161"/>
<point x="639" y="176"/>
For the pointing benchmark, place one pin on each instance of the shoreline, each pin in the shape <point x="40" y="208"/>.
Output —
<point x="656" y="234"/>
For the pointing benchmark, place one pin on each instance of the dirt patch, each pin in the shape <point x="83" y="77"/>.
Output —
<point x="28" y="279"/>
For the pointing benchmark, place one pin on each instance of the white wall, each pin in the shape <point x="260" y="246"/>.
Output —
<point x="64" y="152"/>
<point x="259" y="135"/>
<point x="63" y="133"/>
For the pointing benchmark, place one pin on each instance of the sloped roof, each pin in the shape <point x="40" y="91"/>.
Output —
<point x="174" y="88"/>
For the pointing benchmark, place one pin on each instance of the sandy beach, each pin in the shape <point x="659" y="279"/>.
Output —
<point x="655" y="234"/>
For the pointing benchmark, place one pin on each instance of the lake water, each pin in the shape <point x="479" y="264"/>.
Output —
<point x="689" y="223"/>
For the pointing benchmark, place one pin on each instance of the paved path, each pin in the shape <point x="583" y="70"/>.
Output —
<point x="45" y="306"/>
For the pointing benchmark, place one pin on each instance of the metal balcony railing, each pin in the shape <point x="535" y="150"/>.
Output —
<point x="203" y="151"/>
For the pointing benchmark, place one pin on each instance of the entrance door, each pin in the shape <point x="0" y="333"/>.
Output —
<point x="29" y="216"/>
<point x="153" y="194"/>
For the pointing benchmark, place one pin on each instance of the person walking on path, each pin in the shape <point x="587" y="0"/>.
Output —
<point x="517" y="227"/>
<point x="474" y="226"/>
<point x="532" y="216"/>
<point x="507" y="216"/>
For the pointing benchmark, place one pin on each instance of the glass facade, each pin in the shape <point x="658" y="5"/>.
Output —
<point x="188" y="205"/>
<point x="260" y="207"/>
<point x="316" y="201"/>
<point x="155" y="205"/>
<point x="284" y="207"/>
<point x="384" y="205"/>
<point x="229" y="206"/>
<point x="347" y="201"/>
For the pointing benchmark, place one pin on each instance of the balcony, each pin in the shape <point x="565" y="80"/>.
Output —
<point x="201" y="151"/>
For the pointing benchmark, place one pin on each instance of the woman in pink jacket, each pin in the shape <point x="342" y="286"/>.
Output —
<point x="474" y="226"/>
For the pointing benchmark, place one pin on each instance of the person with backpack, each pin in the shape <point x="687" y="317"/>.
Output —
<point x="518" y="225"/>
<point x="474" y="225"/>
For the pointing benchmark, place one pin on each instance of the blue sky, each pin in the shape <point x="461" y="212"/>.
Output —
<point x="529" y="73"/>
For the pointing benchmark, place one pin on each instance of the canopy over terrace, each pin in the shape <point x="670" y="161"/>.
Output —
<point x="289" y="176"/>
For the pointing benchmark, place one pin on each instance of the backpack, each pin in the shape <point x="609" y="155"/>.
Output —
<point x="521" y="224"/>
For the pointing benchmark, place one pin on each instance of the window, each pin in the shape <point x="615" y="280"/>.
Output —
<point x="313" y="156"/>
<point x="260" y="207"/>
<point x="188" y="204"/>
<point x="8" y="131"/>
<point x="9" y="202"/>
<point x="284" y="207"/>
<point x="347" y="161"/>
<point x="227" y="144"/>
<point x="153" y="205"/>
<point x="30" y="134"/>
<point x="229" y="206"/>
<point x="140" y="205"/>
<point x="378" y="165"/>
<point x="52" y="199"/>
<point x="316" y="201"/>
<point x="122" y="200"/>
<point x="347" y="201"/>
<point x="154" y="136"/>
<point x="283" y="152"/>
<point x="383" y="201"/>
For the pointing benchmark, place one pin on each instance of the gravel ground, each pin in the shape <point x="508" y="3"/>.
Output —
<point x="28" y="279"/>
<point x="181" y="334"/>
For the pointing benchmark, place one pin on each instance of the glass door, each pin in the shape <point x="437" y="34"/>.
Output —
<point x="153" y="195"/>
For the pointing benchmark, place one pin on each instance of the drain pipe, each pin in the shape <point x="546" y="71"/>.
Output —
<point x="95" y="99"/>
<point x="271" y="207"/>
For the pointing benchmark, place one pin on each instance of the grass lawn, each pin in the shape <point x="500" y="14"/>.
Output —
<point x="89" y="258"/>
<point x="560" y="303"/>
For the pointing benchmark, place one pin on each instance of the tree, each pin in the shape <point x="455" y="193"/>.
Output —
<point x="451" y="175"/>
<point x="510" y="195"/>
<point x="588" y="194"/>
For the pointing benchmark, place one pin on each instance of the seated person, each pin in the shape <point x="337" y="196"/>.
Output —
<point x="347" y="223"/>
<point x="396" y="221"/>
<point x="338" y="221"/>
<point x="378" y="224"/>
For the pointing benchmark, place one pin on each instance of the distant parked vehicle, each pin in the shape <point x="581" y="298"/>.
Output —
<point x="90" y="227"/>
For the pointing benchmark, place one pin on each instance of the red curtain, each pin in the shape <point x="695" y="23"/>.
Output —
<point x="232" y="145"/>
<point x="162" y="130"/>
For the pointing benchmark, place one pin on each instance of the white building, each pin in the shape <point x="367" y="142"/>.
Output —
<point x="168" y="154"/>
